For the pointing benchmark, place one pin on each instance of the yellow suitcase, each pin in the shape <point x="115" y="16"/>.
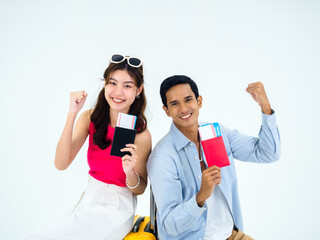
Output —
<point x="145" y="228"/>
<point x="142" y="229"/>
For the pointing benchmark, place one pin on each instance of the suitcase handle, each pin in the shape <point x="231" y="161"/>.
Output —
<point x="148" y="228"/>
<point x="137" y="224"/>
<point x="153" y="210"/>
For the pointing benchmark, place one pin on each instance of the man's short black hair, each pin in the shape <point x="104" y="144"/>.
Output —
<point x="173" y="81"/>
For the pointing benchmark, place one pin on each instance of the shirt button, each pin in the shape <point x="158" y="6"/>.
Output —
<point x="190" y="144"/>
<point x="199" y="176"/>
<point x="196" y="157"/>
<point x="202" y="224"/>
<point x="185" y="148"/>
<point x="270" y="122"/>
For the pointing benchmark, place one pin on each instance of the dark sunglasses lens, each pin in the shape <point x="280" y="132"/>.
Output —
<point x="117" y="58"/>
<point x="134" y="61"/>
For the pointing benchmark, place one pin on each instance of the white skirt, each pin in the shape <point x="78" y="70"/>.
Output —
<point x="104" y="211"/>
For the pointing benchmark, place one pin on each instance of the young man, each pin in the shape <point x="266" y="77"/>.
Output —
<point x="194" y="201"/>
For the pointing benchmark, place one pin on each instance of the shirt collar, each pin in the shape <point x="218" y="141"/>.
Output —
<point x="180" y="140"/>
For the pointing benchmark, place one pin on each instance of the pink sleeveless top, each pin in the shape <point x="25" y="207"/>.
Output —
<point x="103" y="166"/>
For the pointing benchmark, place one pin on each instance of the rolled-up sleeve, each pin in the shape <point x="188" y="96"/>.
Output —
<point x="264" y="149"/>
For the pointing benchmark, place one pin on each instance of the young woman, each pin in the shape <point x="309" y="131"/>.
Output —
<point x="106" y="209"/>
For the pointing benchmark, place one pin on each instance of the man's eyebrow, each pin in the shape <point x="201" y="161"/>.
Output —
<point x="174" y="101"/>
<point x="188" y="97"/>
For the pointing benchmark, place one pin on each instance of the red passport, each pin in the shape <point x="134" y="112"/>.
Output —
<point x="215" y="152"/>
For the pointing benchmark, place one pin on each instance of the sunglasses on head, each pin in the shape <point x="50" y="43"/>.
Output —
<point x="132" y="61"/>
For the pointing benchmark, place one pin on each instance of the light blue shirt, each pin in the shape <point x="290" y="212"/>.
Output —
<point x="175" y="176"/>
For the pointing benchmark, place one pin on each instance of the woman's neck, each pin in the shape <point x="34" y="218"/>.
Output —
<point x="113" y="118"/>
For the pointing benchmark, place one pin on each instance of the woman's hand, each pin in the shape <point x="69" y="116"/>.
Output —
<point x="77" y="100"/>
<point x="136" y="163"/>
<point x="129" y="162"/>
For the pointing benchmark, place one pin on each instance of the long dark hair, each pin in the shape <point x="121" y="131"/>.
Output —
<point x="101" y="113"/>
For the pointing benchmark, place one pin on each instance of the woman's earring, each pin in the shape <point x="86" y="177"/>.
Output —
<point x="137" y="96"/>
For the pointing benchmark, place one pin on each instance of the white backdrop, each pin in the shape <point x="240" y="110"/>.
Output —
<point x="49" y="48"/>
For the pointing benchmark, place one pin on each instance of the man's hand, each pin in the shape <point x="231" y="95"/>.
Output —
<point x="210" y="178"/>
<point x="258" y="93"/>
